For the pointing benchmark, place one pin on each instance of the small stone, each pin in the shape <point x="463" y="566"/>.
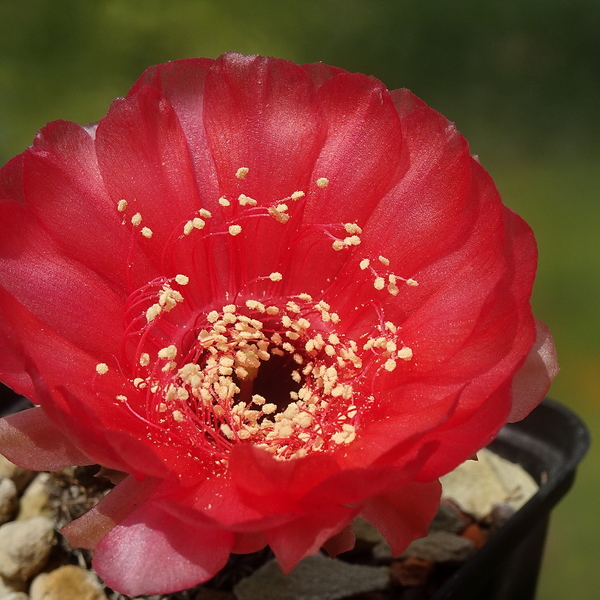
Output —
<point x="20" y="476"/>
<point x="500" y="514"/>
<point x="8" y="586"/>
<point x="25" y="546"/>
<point x="314" y="578"/>
<point x="474" y="533"/>
<point x="441" y="546"/>
<point x="448" y="518"/>
<point x="476" y="486"/>
<point x="36" y="498"/>
<point x="411" y="571"/>
<point x="67" y="583"/>
<point x="9" y="500"/>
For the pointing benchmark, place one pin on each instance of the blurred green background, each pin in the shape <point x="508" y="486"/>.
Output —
<point x="520" y="78"/>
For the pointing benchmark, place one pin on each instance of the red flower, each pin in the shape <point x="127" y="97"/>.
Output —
<point x="276" y="296"/>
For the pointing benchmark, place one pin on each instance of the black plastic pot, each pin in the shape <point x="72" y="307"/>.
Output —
<point x="548" y="444"/>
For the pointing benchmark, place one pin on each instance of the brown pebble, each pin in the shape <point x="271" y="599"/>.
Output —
<point x="474" y="533"/>
<point x="411" y="571"/>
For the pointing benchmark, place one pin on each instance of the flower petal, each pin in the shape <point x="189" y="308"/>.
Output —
<point x="188" y="102"/>
<point x="53" y="286"/>
<point x="65" y="192"/>
<point x="533" y="379"/>
<point x="30" y="440"/>
<point x="121" y="501"/>
<point x="404" y="514"/>
<point x="152" y="552"/>
<point x="343" y="541"/>
<point x="304" y="536"/>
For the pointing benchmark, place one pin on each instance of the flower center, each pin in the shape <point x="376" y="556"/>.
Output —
<point x="280" y="372"/>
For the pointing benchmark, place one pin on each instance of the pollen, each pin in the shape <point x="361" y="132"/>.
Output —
<point x="147" y="232"/>
<point x="246" y="200"/>
<point x="297" y="195"/>
<point x="353" y="240"/>
<point x="412" y="283"/>
<point x="322" y="182"/>
<point x="364" y="264"/>
<point x="352" y="228"/>
<point x="405" y="353"/>
<point x="275" y="276"/>
<point x="338" y="245"/>
<point x="136" y="219"/>
<point x="144" y="359"/>
<point x="198" y="223"/>
<point x="242" y="172"/>
<point x="384" y="261"/>
<point x="101" y="368"/>
<point x="178" y="416"/>
<point x="153" y="312"/>
<point x="182" y="279"/>
<point x="204" y="213"/>
<point x="223" y="201"/>
<point x="390" y="364"/>
<point x="122" y="205"/>
<point x="379" y="283"/>
<point x="169" y="352"/>
<point x="235" y="230"/>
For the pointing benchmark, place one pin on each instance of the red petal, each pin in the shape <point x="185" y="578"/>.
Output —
<point x="152" y="552"/>
<point x="182" y="82"/>
<point x="121" y="501"/>
<point x="533" y="379"/>
<point x="54" y="287"/>
<point x="144" y="158"/>
<point x="404" y="514"/>
<point x="64" y="190"/>
<point x="304" y="536"/>
<point x="272" y="486"/>
<point x="31" y="441"/>
<point x="260" y="113"/>
<point x="341" y="542"/>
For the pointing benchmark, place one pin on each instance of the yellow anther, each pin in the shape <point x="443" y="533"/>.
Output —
<point x="405" y="353"/>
